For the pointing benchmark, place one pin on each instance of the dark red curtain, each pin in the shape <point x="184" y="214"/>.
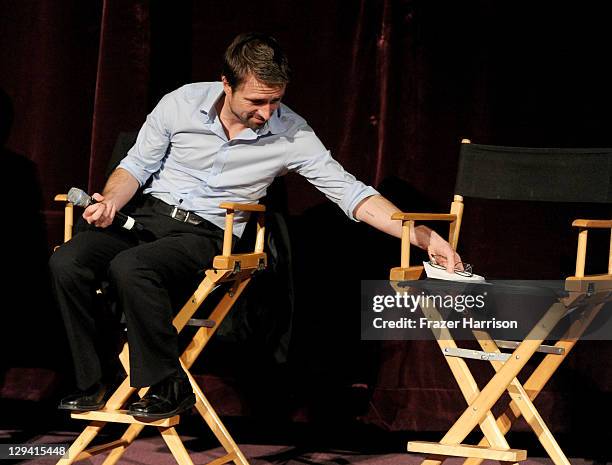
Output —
<point x="391" y="86"/>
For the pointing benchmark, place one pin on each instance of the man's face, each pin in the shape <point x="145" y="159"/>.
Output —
<point x="253" y="102"/>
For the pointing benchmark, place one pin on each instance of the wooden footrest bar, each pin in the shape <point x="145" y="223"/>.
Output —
<point x="222" y="460"/>
<point x="121" y="416"/>
<point x="88" y="453"/>
<point x="461" y="450"/>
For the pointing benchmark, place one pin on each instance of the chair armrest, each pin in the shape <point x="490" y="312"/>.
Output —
<point x="408" y="220"/>
<point x="68" y="215"/>
<point x="245" y="207"/>
<point x="231" y="207"/>
<point x="423" y="217"/>
<point x="585" y="225"/>
<point x="595" y="224"/>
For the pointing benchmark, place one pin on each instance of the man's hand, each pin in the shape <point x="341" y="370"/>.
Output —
<point x="101" y="213"/>
<point x="444" y="253"/>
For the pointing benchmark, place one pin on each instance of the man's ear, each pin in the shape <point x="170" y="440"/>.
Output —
<point x="226" y="87"/>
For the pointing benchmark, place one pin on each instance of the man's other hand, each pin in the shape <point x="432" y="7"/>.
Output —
<point x="101" y="213"/>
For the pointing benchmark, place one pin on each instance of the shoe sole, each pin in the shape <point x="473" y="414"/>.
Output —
<point x="183" y="406"/>
<point x="77" y="409"/>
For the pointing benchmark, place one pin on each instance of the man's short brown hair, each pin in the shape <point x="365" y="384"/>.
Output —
<point x="256" y="54"/>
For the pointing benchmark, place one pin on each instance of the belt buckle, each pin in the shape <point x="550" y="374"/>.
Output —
<point x="174" y="215"/>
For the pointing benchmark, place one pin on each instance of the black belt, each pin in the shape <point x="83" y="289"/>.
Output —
<point x="178" y="214"/>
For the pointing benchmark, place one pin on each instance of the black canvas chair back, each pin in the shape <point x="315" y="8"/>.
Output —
<point x="535" y="174"/>
<point x="527" y="197"/>
<point x="125" y="141"/>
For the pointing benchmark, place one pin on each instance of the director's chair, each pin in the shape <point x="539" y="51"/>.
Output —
<point x="510" y="173"/>
<point x="233" y="271"/>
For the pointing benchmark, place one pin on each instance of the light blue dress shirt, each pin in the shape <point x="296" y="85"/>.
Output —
<point x="188" y="161"/>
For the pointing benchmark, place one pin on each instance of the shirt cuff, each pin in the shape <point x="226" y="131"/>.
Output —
<point x="356" y="194"/>
<point x="141" y="174"/>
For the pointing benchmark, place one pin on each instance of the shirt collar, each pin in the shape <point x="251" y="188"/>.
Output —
<point x="208" y="104"/>
<point x="274" y="125"/>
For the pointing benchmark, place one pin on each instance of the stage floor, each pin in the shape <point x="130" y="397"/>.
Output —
<point x="263" y="441"/>
<point x="153" y="451"/>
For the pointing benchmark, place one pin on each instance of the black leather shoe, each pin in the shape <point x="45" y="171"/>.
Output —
<point x="165" y="399"/>
<point x="93" y="398"/>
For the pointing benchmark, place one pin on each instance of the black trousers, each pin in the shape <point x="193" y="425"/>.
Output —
<point x="147" y="273"/>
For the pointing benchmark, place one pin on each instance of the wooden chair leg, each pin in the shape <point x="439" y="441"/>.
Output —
<point x="203" y="335"/>
<point x="542" y="373"/>
<point x="521" y="401"/>
<point x="479" y="407"/>
<point x="78" y="449"/>
<point x="81" y="442"/>
<point x="207" y="285"/>
<point x="128" y="438"/>
<point x="176" y="446"/>
<point x="467" y="385"/>
<point x="465" y="380"/>
<point x="502" y="379"/>
<point x="217" y="427"/>
<point x="190" y="355"/>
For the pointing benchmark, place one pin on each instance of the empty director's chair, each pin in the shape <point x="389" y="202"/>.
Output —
<point x="233" y="272"/>
<point x="511" y="173"/>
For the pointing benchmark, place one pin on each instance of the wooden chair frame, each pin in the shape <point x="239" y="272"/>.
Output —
<point x="234" y="269"/>
<point x="590" y="291"/>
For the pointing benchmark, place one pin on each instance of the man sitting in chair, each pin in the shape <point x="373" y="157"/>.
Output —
<point x="203" y="144"/>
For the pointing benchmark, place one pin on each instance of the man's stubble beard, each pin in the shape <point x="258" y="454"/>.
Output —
<point x="246" y="120"/>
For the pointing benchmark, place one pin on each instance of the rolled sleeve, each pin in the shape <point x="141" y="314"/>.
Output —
<point x="311" y="160"/>
<point x="138" y="171"/>
<point x="356" y="194"/>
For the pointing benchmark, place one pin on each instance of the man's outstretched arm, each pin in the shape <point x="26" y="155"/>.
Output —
<point x="377" y="210"/>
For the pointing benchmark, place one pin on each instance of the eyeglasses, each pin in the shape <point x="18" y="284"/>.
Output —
<point x="466" y="271"/>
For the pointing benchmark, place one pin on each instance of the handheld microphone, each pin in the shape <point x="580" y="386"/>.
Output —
<point x="82" y="199"/>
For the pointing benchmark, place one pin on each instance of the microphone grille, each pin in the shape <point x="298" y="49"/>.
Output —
<point x="78" y="197"/>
